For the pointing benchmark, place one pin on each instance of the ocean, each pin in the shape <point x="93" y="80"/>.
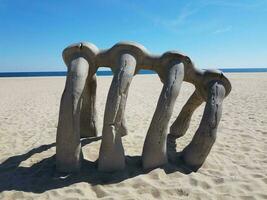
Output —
<point x="109" y="73"/>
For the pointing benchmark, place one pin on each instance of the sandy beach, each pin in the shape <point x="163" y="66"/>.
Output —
<point x="236" y="167"/>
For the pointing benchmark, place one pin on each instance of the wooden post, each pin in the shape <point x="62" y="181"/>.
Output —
<point x="111" y="155"/>
<point x="181" y="124"/>
<point x="68" y="147"/>
<point x="88" y="119"/>
<point x="154" y="150"/>
<point x="196" y="152"/>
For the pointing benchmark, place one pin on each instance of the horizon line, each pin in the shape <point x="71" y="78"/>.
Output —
<point x="109" y="72"/>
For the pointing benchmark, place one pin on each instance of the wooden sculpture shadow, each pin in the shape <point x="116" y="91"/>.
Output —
<point x="42" y="176"/>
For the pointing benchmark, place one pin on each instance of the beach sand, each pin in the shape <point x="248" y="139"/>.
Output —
<point x="236" y="167"/>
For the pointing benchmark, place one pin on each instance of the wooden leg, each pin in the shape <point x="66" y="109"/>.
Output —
<point x="111" y="155"/>
<point x="68" y="147"/>
<point x="123" y="130"/>
<point x="88" y="121"/>
<point x="154" y="150"/>
<point x="197" y="151"/>
<point x="181" y="124"/>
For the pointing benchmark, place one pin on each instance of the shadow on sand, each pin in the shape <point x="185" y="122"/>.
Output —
<point x="42" y="176"/>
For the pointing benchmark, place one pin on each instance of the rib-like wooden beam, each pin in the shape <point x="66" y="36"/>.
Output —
<point x="154" y="150"/>
<point x="68" y="146"/>
<point x="88" y="119"/>
<point x="111" y="154"/>
<point x="144" y="60"/>
<point x="181" y="124"/>
<point x="196" y="152"/>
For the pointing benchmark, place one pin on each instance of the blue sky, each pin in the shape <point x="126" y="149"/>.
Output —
<point x="214" y="33"/>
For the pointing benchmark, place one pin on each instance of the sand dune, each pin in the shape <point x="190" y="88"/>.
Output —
<point x="235" y="168"/>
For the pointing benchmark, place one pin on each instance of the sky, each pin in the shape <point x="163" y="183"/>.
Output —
<point x="213" y="33"/>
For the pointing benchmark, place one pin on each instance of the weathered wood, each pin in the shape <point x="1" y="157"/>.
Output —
<point x="181" y="124"/>
<point x="68" y="147"/>
<point x="123" y="130"/>
<point x="196" y="152"/>
<point x="111" y="155"/>
<point x="78" y="114"/>
<point x="154" y="150"/>
<point x="88" y="118"/>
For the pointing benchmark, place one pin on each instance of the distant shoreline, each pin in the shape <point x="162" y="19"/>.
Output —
<point x="109" y="73"/>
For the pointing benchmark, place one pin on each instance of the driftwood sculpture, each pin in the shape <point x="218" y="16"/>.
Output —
<point x="77" y="117"/>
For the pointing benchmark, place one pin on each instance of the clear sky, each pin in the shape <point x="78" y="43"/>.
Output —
<point x="214" y="33"/>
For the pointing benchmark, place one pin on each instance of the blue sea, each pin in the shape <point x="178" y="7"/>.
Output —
<point x="109" y="73"/>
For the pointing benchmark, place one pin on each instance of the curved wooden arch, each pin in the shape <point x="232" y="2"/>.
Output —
<point x="126" y="59"/>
